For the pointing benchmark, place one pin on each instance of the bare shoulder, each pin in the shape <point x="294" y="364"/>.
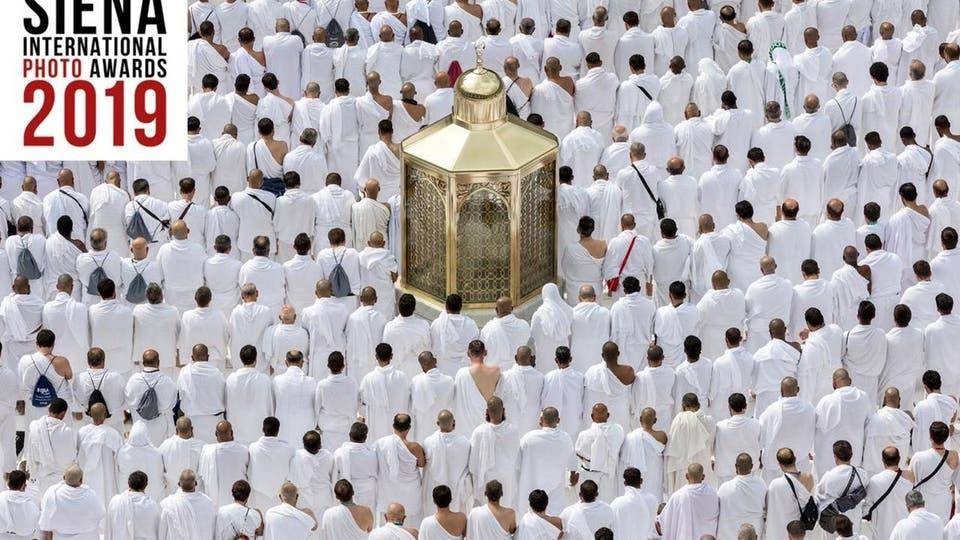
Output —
<point x="62" y="366"/>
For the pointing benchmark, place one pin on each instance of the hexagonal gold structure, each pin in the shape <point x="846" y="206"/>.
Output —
<point x="479" y="202"/>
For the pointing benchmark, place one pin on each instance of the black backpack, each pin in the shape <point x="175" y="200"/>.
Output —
<point x="848" y="130"/>
<point x="335" y="35"/>
<point x="97" y="396"/>
<point x="339" y="280"/>
<point x="849" y="499"/>
<point x="809" y="511"/>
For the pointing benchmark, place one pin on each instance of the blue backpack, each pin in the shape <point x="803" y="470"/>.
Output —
<point x="43" y="391"/>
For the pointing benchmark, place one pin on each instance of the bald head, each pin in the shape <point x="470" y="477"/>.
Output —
<point x="188" y="481"/>
<point x="778" y="330"/>
<point x="550" y="417"/>
<point x="371" y="188"/>
<point x="841" y="378"/>
<point x="599" y="413"/>
<point x="694" y="473"/>
<point x="179" y="230"/>
<point x="811" y="103"/>
<point x="376" y="240"/>
<point x="789" y="387"/>
<point x="767" y="265"/>
<point x="706" y="224"/>
<point x="620" y="133"/>
<point x="224" y="431"/>
<point x="73" y="476"/>
<point x="445" y="421"/>
<point x="891" y="397"/>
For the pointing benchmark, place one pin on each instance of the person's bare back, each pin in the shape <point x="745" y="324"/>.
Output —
<point x="506" y="517"/>
<point x="486" y="378"/>
<point x="624" y="373"/>
<point x="595" y="247"/>
<point x="363" y="516"/>
<point x="278" y="149"/>
<point x="660" y="436"/>
<point x="417" y="451"/>
<point x="417" y="112"/>
<point x="760" y="229"/>
<point x="567" y="84"/>
<point x="455" y="523"/>
<point x="384" y="101"/>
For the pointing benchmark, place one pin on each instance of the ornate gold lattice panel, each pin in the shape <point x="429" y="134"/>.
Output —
<point x="426" y="240"/>
<point x="537" y="229"/>
<point x="483" y="235"/>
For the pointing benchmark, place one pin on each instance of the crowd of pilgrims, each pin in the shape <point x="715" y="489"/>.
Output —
<point x="753" y="332"/>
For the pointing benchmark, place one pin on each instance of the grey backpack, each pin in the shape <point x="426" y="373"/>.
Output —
<point x="137" y="228"/>
<point x="98" y="275"/>
<point x="148" y="407"/>
<point x="137" y="290"/>
<point x="26" y="264"/>
<point x="339" y="280"/>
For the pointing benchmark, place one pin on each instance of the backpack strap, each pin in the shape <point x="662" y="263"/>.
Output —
<point x="82" y="211"/>
<point x="161" y="223"/>
<point x="644" y="90"/>
<point x="796" y="497"/>
<point x="185" y="210"/>
<point x="935" y="471"/>
<point x="876" y="503"/>
<point x="645" y="185"/>
<point x="259" y="200"/>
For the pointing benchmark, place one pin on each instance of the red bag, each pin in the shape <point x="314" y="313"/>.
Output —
<point x="613" y="284"/>
<point x="454" y="71"/>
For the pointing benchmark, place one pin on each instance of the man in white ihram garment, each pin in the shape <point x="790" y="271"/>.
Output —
<point x="598" y="449"/>
<point x="789" y="241"/>
<point x="581" y="148"/>
<point x="364" y="331"/>
<point x="67" y="319"/>
<point x="384" y="392"/>
<point x="494" y="446"/>
<point x="51" y="447"/>
<point x="379" y="269"/>
<point x="552" y="98"/>
<point x="596" y="93"/>
<point x="132" y="510"/>
<point x="632" y="100"/>
<point x="503" y="334"/>
<point x="202" y="392"/>
<point x="221" y="464"/>
<point x="710" y="253"/>
<point x="111" y="328"/>
<point x="777" y="359"/>
<point x="886" y="272"/>
<point x="98" y="444"/>
<point x="829" y="238"/>
<point x="889" y="426"/>
<point x="400" y="462"/>
<point x="907" y="230"/>
<point x="294" y="393"/>
<point x="742" y="499"/>
<point x="309" y="162"/>
<point x="787" y="423"/>
<point x="547" y="461"/>
<point x="107" y="203"/>
<point x="921" y="296"/>
<point x="767" y="298"/>
<point x="71" y="509"/>
<point x="187" y="513"/>
<point x="719" y="190"/>
<point x="447" y="462"/>
<point x="282" y="338"/>
<point x="865" y="351"/>
<point x="732" y="374"/>
<point x="691" y="511"/>
<point x="182" y="260"/>
<point x="381" y="161"/>
<point x="720" y="309"/>
<point x="269" y="466"/>
<point x="384" y="57"/>
<point x="841" y="416"/>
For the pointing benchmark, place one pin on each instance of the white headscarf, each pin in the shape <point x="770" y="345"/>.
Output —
<point x="710" y="84"/>
<point x="555" y="310"/>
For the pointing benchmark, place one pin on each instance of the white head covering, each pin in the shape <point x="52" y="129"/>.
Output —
<point x="554" y="310"/>
<point x="710" y="84"/>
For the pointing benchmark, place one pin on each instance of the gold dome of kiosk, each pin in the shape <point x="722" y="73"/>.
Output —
<point x="479" y="201"/>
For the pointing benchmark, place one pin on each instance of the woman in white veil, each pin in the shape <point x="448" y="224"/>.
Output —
<point x="709" y="85"/>
<point x="550" y="326"/>
<point x="781" y="80"/>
